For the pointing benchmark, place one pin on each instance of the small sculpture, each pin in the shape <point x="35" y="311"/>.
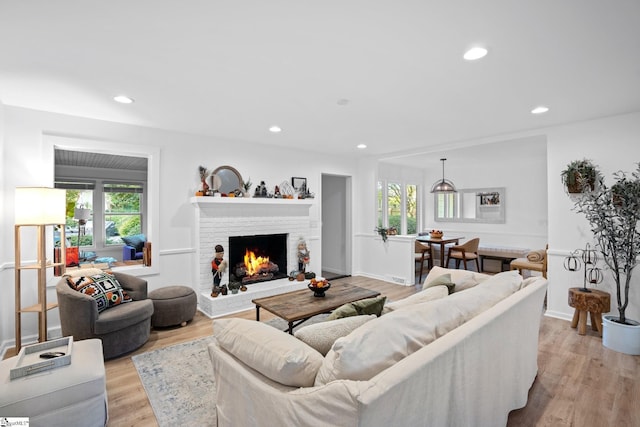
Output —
<point x="218" y="266"/>
<point x="303" y="255"/>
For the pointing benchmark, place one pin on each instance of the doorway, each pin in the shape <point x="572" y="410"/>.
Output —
<point x="336" y="226"/>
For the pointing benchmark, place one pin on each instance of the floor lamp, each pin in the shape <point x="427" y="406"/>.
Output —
<point x="37" y="207"/>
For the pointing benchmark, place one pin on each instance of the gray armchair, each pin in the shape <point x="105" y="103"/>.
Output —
<point x="122" y="328"/>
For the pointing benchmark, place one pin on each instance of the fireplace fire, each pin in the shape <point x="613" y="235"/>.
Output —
<point x="258" y="258"/>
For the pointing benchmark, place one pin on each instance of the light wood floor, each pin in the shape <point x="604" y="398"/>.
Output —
<point x="579" y="383"/>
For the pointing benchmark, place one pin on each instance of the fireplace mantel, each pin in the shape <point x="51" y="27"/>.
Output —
<point x="219" y="218"/>
<point x="204" y="201"/>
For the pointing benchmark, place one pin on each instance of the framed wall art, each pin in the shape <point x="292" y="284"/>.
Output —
<point x="300" y="184"/>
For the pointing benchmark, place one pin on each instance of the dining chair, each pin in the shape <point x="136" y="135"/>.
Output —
<point x="422" y="253"/>
<point x="466" y="252"/>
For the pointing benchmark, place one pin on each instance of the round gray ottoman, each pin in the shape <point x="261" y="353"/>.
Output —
<point x="173" y="305"/>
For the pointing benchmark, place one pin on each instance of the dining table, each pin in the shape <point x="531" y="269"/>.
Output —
<point x="442" y="241"/>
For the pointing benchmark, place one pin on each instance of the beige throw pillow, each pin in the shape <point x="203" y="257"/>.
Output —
<point x="275" y="354"/>
<point x="321" y="336"/>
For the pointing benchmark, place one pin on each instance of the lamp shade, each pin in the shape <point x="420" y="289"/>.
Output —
<point x="40" y="206"/>
<point x="444" y="185"/>
<point x="81" y="214"/>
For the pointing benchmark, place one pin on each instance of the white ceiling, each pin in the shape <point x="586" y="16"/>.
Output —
<point x="231" y="69"/>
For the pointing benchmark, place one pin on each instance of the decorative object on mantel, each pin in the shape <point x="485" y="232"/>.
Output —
<point x="613" y="214"/>
<point x="589" y="258"/>
<point x="229" y="181"/>
<point x="246" y="186"/>
<point x="299" y="184"/>
<point x="261" y="190"/>
<point x="286" y="190"/>
<point x="579" y="176"/>
<point x="204" y="190"/>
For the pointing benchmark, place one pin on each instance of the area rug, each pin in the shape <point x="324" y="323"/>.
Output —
<point x="179" y="383"/>
<point x="179" y="380"/>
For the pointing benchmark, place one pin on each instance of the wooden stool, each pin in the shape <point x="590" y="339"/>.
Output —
<point x="594" y="302"/>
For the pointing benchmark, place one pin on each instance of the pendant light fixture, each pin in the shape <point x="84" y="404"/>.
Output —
<point x="444" y="186"/>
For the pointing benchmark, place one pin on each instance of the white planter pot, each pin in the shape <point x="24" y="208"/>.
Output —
<point x="619" y="337"/>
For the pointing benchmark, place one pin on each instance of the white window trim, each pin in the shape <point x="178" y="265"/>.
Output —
<point x="152" y="155"/>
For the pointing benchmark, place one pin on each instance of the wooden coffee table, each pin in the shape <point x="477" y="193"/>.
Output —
<point x="298" y="306"/>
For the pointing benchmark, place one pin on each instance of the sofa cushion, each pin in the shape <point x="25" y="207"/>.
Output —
<point x="384" y="341"/>
<point x="463" y="279"/>
<point x="136" y="241"/>
<point x="102" y="287"/>
<point x="432" y="293"/>
<point x="276" y="355"/>
<point x="321" y="336"/>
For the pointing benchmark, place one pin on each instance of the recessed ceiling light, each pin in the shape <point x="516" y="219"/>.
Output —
<point x="475" y="53"/>
<point x="123" y="99"/>
<point x="362" y="146"/>
<point x="540" y="110"/>
<point x="275" y="129"/>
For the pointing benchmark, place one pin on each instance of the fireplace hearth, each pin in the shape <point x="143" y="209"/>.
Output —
<point x="258" y="258"/>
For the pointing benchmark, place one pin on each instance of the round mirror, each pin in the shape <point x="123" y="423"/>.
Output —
<point x="226" y="179"/>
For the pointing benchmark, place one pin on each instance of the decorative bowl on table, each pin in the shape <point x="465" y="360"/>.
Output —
<point x="436" y="234"/>
<point x="319" y="286"/>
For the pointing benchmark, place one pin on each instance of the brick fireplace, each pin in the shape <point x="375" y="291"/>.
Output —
<point x="218" y="219"/>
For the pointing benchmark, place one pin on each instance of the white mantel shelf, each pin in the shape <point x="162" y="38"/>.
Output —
<point x="203" y="201"/>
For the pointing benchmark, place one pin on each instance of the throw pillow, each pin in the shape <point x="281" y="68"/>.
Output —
<point x="102" y="287"/>
<point x="345" y="310"/>
<point x="445" y="280"/>
<point x="136" y="241"/>
<point x="276" y="355"/>
<point x="321" y="336"/>
<point x="370" y="305"/>
<point x="364" y="306"/>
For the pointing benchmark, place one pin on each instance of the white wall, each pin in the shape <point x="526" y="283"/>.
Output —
<point x="613" y="144"/>
<point x="28" y="160"/>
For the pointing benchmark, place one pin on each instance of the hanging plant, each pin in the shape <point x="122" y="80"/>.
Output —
<point x="579" y="176"/>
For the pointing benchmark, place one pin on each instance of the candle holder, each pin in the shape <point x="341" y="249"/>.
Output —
<point x="585" y="259"/>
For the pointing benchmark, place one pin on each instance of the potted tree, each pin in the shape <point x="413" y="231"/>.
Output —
<point x="613" y="214"/>
<point x="579" y="175"/>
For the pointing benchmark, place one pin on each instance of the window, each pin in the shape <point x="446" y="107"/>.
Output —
<point x="79" y="194"/>
<point x="123" y="207"/>
<point x="397" y="206"/>
<point x="379" y="204"/>
<point x="104" y="161"/>
<point x="394" y="205"/>
<point x="411" y="200"/>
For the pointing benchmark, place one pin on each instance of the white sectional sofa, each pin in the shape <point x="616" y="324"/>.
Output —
<point x="463" y="359"/>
